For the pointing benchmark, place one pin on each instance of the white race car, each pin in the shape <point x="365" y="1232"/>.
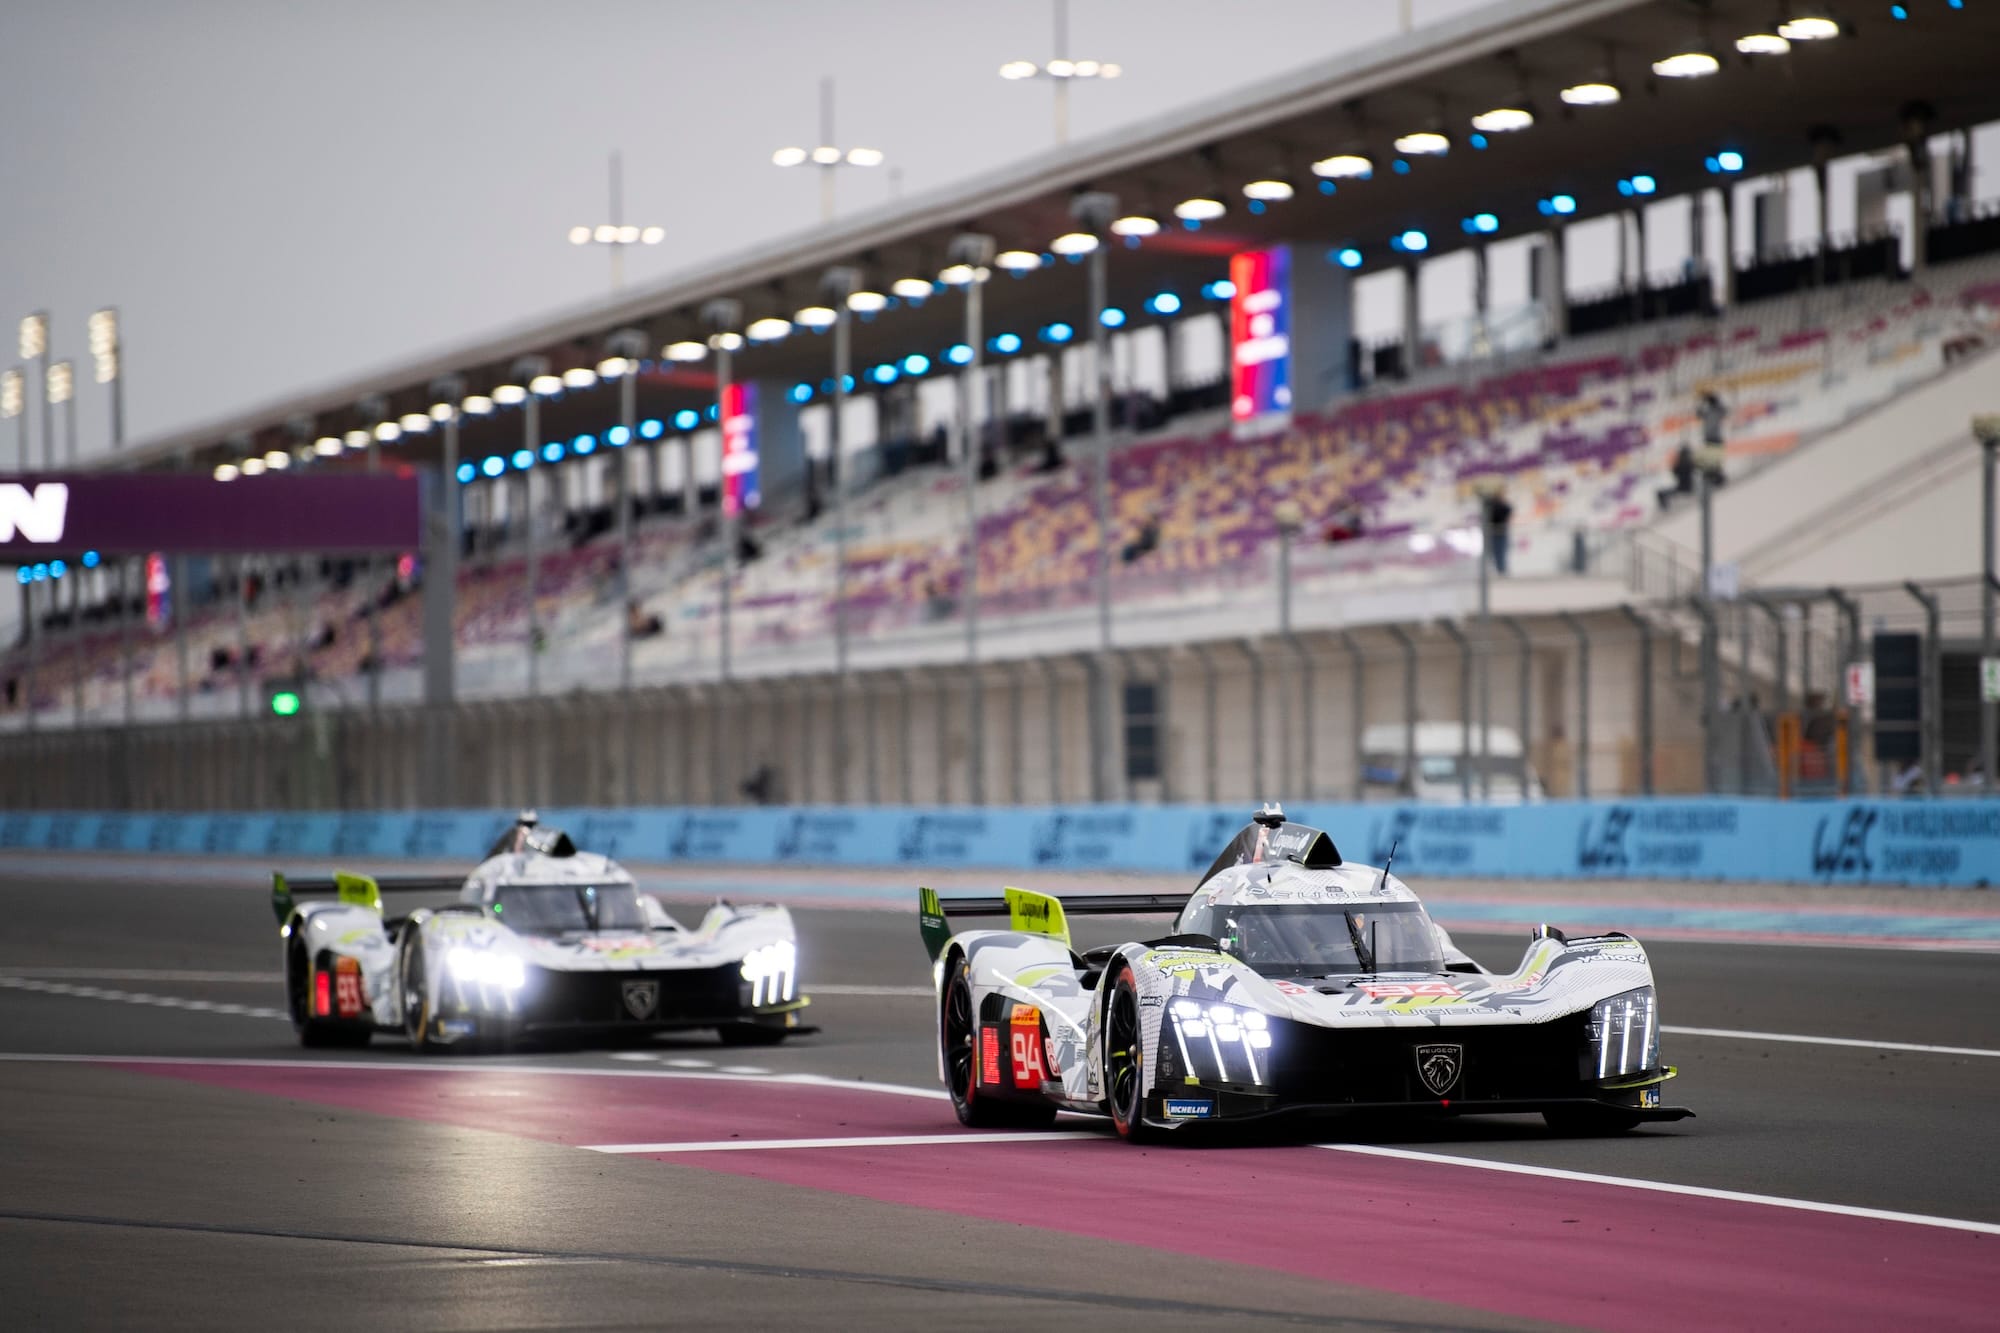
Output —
<point x="542" y="939"/>
<point x="1291" y="982"/>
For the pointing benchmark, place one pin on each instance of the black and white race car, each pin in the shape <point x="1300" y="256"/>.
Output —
<point x="541" y="939"/>
<point x="1290" y="982"/>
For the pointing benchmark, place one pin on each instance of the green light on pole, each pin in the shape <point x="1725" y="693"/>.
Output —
<point x="285" y="703"/>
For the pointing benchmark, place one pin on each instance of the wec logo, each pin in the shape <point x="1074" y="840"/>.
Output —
<point x="35" y="514"/>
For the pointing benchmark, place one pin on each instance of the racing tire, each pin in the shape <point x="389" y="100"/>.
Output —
<point x="314" y="1032"/>
<point x="1125" y="1061"/>
<point x="417" y="1014"/>
<point x="750" y="1034"/>
<point x="1589" y="1121"/>
<point x="957" y="1039"/>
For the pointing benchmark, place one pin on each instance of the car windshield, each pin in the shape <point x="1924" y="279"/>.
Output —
<point x="1323" y="939"/>
<point x="555" y="909"/>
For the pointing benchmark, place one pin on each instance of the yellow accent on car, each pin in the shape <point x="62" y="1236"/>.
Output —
<point x="358" y="890"/>
<point x="1036" y="914"/>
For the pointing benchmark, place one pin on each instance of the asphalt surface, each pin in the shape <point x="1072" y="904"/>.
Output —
<point x="185" y="1193"/>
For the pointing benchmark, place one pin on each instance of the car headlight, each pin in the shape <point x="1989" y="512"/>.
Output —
<point x="486" y="967"/>
<point x="1624" y="1035"/>
<point x="1217" y="1041"/>
<point x="772" y="971"/>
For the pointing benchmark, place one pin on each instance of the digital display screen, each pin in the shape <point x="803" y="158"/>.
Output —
<point x="140" y="513"/>
<point x="1260" y="335"/>
<point x="739" y="448"/>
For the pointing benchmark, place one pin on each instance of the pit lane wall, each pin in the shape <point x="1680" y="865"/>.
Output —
<point x="1943" y="843"/>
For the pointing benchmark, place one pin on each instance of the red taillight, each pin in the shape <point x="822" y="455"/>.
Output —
<point x="322" y="994"/>
<point x="989" y="1055"/>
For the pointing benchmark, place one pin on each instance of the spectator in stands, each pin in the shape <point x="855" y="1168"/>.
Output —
<point x="1145" y="544"/>
<point x="1345" y="525"/>
<point x="1683" y="468"/>
<point x="640" y="624"/>
<point x="1499" y="515"/>
<point x="1714" y="415"/>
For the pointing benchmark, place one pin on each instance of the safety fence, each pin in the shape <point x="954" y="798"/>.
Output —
<point x="1917" y="842"/>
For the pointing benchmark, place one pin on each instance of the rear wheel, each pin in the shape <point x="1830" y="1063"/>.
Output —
<point x="1125" y="1060"/>
<point x="314" y="1031"/>
<point x="1589" y="1121"/>
<point x="958" y="1037"/>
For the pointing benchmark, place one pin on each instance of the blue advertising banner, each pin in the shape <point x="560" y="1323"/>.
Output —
<point x="1845" y="842"/>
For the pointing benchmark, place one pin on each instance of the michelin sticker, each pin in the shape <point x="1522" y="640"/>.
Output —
<point x="1189" y="1108"/>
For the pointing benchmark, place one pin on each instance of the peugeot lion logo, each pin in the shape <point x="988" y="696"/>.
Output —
<point x="1438" y="1067"/>
<point x="642" y="997"/>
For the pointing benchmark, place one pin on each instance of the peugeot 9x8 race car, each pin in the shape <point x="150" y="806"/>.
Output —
<point x="543" y="939"/>
<point x="1291" y="982"/>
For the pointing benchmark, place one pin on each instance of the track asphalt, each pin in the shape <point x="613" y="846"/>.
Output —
<point x="173" y="1160"/>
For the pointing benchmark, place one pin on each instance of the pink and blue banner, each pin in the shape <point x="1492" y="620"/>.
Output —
<point x="739" y="449"/>
<point x="1260" y="336"/>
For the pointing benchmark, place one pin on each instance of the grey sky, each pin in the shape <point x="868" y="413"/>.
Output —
<point x="278" y="194"/>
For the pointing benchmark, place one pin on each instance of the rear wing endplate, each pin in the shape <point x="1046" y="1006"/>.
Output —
<point x="356" y="890"/>
<point x="1034" y="913"/>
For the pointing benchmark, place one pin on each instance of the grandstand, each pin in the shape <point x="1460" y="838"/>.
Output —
<point x="1330" y="541"/>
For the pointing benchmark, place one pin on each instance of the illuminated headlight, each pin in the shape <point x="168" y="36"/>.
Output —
<point x="1625" y="1034"/>
<point x="1219" y="1042"/>
<point x="772" y="971"/>
<point x="485" y="967"/>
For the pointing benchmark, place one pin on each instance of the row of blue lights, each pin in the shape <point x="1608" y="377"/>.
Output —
<point x="45" y="570"/>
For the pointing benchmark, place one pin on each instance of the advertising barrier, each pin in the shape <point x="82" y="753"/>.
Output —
<point x="1846" y="842"/>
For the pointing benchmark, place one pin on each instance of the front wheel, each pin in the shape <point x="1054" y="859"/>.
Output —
<point x="957" y="1033"/>
<point x="418" y="1020"/>
<point x="1125" y="1061"/>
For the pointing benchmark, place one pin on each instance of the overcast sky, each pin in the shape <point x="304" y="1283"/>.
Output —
<point x="280" y="194"/>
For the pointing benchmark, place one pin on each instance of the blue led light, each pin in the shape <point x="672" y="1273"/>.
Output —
<point x="1256" y="205"/>
<point x="1347" y="257"/>
<point x="618" y="437"/>
<point x="686" y="419"/>
<point x="1192" y="224"/>
<point x="916" y="363"/>
<point x="959" y="354"/>
<point x="523" y="459"/>
<point x="584" y="444"/>
<point x="552" y="451"/>
<point x="1329" y="187"/>
<point x="91" y="559"/>
<point x="802" y="393"/>
<point x="41" y="573"/>
<point x="24" y="575"/>
<point x="1955" y="4"/>
<point x="713" y="412"/>
<point x="1006" y="344"/>
<point x="1057" y="332"/>
<point x="1412" y="242"/>
<point x="57" y="569"/>
<point x="1481" y="224"/>
<point x="466" y="472"/>
<point x="1165" y="303"/>
<point x="494" y="466"/>
<point x="1477" y="140"/>
<point x="652" y="428"/>
<point x="1400" y="166"/>
<point x="1899" y="12"/>
<point x="1219" y="290"/>
<point x="883" y="374"/>
<point x="1112" y="316"/>
<point x="1724" y="162"/>
<point x="1563" y="204"/>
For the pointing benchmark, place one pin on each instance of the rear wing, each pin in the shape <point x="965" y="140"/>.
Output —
<point x="1034" y="913"/>
<point x="356" y="890"/>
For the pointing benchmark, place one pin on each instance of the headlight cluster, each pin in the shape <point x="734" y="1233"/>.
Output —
<point x="1219" y="1040"/>
<point x="772" y="971"/>
<point x="486" y="967"/>
<point x="1625" y="1034"/>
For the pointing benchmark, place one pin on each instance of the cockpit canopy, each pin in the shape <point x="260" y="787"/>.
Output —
<point x="527" y="834"/>
<point x="1264" y="840"/>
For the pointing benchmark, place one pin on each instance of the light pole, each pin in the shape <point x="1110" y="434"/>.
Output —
<point x="624" y="349"/>
<point x="616" y="234"/>
<point x="1093" y="211"/>
<point x="445" y="536"/>
<point x="1487" y="492"/>
<point x="970" y="255"/>
<point x="107" y="351"/>
<point x="531" y="382"/>
<point x="34" y="346"/>
<point x="839" y="285"/>
<point x="825" y="155"/>
<point x="1290" y="518"/>
<point x="1708" y="465"/>
<point x="722" y="315"/>
<point x="60" y="385"/>
<point x="14" y="406"/>
<point x="1987" y="430"/>
<point x="1061" y="71"/>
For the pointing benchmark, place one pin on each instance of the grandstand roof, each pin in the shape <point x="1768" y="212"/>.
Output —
<point x="1769" y="108"/>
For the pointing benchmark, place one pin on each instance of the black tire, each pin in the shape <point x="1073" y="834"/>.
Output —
<point x="1589" y="1121"/>
<point x="417" y="1016"/>
<point x="750" y="1034"/>
<point x="1125" y="1061"/>
<point x="314" y="1032"/>
<point x="956" y="1037"/>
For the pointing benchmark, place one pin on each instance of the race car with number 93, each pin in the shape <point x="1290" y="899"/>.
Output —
<point x="1290" y="982"/>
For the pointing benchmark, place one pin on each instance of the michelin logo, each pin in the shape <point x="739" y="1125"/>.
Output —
<point x="1190" y="1108"/>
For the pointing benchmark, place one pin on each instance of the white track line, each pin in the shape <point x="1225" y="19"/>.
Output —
<point x="135" y="974"/>
<point x="64" y="988"/>
<point x="1795" y="1038"/>
<point x="1664" y="1187"/>
<point x="880" y="1141"/>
